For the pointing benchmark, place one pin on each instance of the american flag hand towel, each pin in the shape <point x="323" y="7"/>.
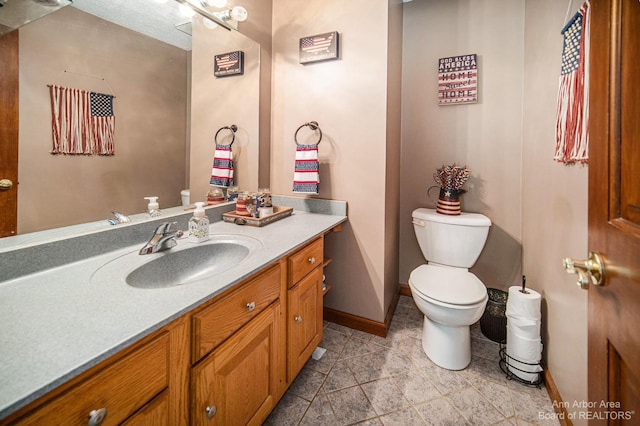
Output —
<point x="82" y="122"/>
<point x="222" y="170"/>
<point x="306" y="177"/>
<point x="572" y="136"/>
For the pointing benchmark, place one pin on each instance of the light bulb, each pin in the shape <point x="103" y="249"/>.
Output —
<point x="239" y="13"/>
<point x="209" y="23"/>
<point x="186" y="11"/>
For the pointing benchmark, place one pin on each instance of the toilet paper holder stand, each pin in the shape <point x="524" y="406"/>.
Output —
<point x="507" y="368"/>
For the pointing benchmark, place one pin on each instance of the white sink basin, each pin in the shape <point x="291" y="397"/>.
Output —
<point x="186" y="263"/>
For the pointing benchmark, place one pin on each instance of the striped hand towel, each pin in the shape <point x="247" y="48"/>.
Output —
<point x="306" y="178"/>
<point x="222" y="171"/>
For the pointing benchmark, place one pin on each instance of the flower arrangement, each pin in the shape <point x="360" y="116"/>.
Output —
<point x="451" y="177"/>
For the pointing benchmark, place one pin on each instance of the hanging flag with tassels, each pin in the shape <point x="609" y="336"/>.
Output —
<point x="82" y="122"/>
<point x="572" y="132"/>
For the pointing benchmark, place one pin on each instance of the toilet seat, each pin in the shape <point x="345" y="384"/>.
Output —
<point x="455" y="286"/>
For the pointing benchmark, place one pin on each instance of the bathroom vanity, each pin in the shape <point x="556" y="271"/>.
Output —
<point x="213" y="351"/>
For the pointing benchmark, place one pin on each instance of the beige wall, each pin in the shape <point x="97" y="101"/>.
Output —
<point x="486" y="136"/>
<point x="507" y="140"/>
<point x="393" y="154"/>
<point x="258" y="28"/>
<point x="554" y="205"/>
<point x="218" y="102"/>
<point x="150" y="110"/>
<point x="348" y="98"/>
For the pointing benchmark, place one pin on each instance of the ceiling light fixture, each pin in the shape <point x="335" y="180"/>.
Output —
<point x="238" y="13"/>
<point x="214" y="3"/>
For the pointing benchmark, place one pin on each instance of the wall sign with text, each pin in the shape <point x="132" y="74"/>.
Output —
<point x="458" y="80"/>
<point x="228" y="64"/>
<point x="321" y="47"/>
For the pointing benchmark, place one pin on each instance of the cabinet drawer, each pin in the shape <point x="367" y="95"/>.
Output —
<point x="305" y="260"/>
<point x="120" y="389"/>
<point x="220" y="320"/>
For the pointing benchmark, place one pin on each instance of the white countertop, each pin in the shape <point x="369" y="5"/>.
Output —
<point x="57" y="323"/>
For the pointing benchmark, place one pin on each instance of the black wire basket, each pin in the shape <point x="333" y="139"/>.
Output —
<point x="508" y="365"/>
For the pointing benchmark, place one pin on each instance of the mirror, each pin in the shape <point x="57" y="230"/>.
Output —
<point x="14" y="14"/>
<point x="168" y="105"/>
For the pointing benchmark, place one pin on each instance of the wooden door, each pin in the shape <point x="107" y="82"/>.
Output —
<point x="614" y="211"/>
<point x="9" y="134"/>
<point x="304" y="321"/>
<point x="238" y="383"/>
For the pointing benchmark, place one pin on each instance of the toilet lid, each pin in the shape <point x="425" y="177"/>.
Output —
<point x="448" y="285"/>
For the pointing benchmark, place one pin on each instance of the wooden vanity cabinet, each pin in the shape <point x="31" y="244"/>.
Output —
<point x="217" y="321"/>
<point x="304" y="306"/>
<point x="227" y="362"/>
<point x="239" y="353"/>
<point x="143" y="385"/>
<point x="237" y="384"/>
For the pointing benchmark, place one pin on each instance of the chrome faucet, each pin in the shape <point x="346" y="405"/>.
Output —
<point x="163" y="239"/>
<point x="119" y="218"/>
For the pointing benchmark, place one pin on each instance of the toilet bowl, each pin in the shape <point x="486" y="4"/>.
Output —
<point x="450" y="297"/>
<point x="451" y="301"/>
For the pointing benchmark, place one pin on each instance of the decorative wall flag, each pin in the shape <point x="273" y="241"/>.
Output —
<point x="227" y="64"/>
<point x="572" y="133"/>
<point x="321" y="47"/>
<point x="82" y="122"/>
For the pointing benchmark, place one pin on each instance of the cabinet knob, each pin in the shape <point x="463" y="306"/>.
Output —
<point x="96" y="417"/>
<point x="211" y="411"/>
<point x="251" y="306"/>
<point x="312" y="260"/>
<point x="297" y="319"/>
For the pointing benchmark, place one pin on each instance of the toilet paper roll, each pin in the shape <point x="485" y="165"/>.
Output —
<point x="526" y="329"/>
<point x="525" y="306"/>
<point x="524" y="371"/>
<point x="521" y="354"/>
<point x="527" y="350"/>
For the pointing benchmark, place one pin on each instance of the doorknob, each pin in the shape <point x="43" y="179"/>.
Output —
<point x="5" y="184"/>
<point x="589" y="271"/>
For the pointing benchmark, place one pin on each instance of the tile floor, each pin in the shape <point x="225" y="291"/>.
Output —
<point x="369" y="380"/>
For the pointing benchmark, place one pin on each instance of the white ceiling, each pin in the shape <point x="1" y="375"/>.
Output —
<point x="157" y="20"/>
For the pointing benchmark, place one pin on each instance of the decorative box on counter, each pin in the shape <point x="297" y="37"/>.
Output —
<point x="278" y="213"/>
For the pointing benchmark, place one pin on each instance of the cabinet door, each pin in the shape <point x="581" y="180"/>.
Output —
<point x="155" y="413"/>
<point x="304" y="321"/>
<point x="237" y="383"/>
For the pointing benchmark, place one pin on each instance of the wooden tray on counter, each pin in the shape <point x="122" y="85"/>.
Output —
<point x="278" y="213"/>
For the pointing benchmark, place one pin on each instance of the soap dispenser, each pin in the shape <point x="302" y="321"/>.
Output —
<point x="199" y="225"/>
<point x="153" y="209"/>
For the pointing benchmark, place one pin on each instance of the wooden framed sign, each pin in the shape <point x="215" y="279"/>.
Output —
<point x="228" y="64"/>
<point x="321" y="47"/>
<point x="458" y="80"/>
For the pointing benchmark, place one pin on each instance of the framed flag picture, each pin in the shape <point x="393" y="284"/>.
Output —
<point x="228" y="64"/>
<point x="458" y="80"/>
<point x="321" y="47"/>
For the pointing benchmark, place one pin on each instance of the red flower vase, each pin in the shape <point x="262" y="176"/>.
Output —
<point x="449" y="201"/>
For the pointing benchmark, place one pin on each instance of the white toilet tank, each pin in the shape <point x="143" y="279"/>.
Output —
<point x="450" y="240"/>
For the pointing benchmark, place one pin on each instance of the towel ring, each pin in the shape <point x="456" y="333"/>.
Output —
<point x="233" y="129"/>
<point x="313" y="125"/>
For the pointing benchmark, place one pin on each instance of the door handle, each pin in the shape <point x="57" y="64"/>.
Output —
<point x="5" y="184"/>
<point x="590" y="271"/>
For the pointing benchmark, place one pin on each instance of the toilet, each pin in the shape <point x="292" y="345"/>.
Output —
<point x="450" y="297"/>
